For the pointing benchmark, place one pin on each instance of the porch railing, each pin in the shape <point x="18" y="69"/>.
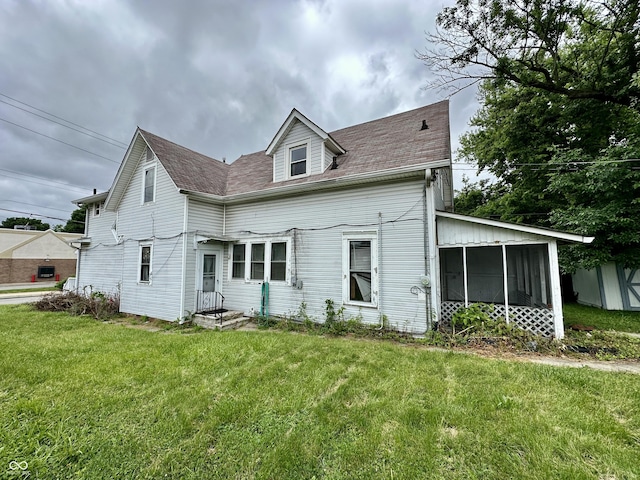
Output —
<point x="210" y="303"/>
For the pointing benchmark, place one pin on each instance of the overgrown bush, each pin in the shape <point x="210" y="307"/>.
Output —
<point x="97" y="304"/>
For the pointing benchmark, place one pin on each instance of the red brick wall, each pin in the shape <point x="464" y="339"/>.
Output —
<point x="19" y="270"/>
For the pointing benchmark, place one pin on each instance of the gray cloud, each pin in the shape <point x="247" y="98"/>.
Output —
<point x="216" y="76"/>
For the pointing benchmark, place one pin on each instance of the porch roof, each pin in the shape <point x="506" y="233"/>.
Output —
<point x="519" y="233"/>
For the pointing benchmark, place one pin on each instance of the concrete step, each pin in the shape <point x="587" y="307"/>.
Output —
<point x="230" y="320"/>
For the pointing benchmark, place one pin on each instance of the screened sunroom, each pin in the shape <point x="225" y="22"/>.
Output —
<point x="514" y="267"/>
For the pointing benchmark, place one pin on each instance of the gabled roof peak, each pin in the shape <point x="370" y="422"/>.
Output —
<point x="294" y="116"/>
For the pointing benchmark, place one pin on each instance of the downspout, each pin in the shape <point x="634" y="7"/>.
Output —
<point x="427" y="297"/>
<point x="183" y="274"/>
<point x="379" y="270"/>
<point x="79" y="253"/>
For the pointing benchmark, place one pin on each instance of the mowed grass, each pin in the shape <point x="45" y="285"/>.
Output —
<point x="620" y="321"/>
<point x="91" y="400"/>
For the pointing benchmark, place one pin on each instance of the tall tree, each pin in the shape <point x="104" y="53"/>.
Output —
<point x="577" y="48"/>
<point x="33" y="223"/>
<point x="76" y="223"/>
<point x="560" y="116"/>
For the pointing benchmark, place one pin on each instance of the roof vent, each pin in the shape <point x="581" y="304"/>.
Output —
<point x="424" y="125"/>
<point x="334" y="164"/>
<point x="224" y="159"/>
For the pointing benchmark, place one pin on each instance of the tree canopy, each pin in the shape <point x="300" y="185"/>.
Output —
<point x="559" y="125"/>
<point x="76" y="223"/>
<point x="34" y="223"/>
<point x="577" y="48"/>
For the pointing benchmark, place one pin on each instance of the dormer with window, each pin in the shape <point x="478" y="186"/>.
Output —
<point x="301" y="148"/>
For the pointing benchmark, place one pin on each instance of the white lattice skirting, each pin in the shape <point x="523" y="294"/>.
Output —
<point x="535" y="320"/>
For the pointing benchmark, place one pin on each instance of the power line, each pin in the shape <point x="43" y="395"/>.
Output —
<point x="550" y="164"/>
<point x="44" y="184"/>
<point x="32" y="205"/>
<point x="66" y="126"/>
<point x="59" y="141"/>
<point x="64" y="120"/>
<point x="66" y="185"/>
<point x="34" y="214"/>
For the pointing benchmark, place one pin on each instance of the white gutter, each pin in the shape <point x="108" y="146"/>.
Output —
<point x="322" y="184"/>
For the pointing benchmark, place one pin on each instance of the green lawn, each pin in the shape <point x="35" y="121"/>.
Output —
<point x="601" y="319"/>
<point x="91" y="400"/>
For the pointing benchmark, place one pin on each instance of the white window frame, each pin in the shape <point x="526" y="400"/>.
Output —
<point x="268" y="242"/>
<point x="140" y="249"/>
<point x="97" y="208"/>
<point x="151" y="166"/>
<point x="347" y="238"/>
<point x="288" y="149"/>
<point x="244" y="262"/>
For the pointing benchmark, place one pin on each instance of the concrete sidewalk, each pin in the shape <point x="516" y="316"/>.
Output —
<point x="21" y="286"/>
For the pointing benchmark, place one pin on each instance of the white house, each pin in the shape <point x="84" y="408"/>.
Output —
<point x="359" y="216"/>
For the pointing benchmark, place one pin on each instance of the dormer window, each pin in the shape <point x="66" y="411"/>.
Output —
<point x="298" y="160"/>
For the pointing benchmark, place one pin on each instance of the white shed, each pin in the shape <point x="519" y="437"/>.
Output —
<point x="609" y="286"/>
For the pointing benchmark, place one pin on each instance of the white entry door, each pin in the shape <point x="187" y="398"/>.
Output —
<point x="209" y="270"/>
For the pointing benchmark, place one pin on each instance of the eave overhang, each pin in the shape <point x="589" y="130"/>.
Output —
<point x="390" y="175"/>
<point x="547" y="232"/>
<point x="98" y="197"/>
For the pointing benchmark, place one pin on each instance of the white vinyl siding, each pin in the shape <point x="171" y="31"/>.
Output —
<point x="111" y="267"/>
<point x="315" y="225"/>
<point x="204" y="218"/>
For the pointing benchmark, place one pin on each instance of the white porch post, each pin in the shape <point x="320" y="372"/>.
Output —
<point x="556" y="296"/>
<point x="505" y="283"/>
<point x="465" y="277"/>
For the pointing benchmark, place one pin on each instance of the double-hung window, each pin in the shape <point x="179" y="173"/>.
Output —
<point x="144" y="271"/>
<point x="279" y="261"/>
<point x="97" y="208"/>
<point x="298" y="160"/>
<point x="265" y="260"/>
<point x="149" y="184"/>
<point x="257" y="261"/>
<point x="238" y="264"/>
<point x="360" y="268"/>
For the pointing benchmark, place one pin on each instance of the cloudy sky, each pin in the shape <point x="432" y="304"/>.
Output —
<point x="218" y="77"/>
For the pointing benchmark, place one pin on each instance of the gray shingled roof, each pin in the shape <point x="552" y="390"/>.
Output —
<point x="189" y="170"/>
<point x="379" y="145"/>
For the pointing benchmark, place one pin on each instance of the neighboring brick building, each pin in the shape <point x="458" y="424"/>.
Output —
<point x="32" y="255"/>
